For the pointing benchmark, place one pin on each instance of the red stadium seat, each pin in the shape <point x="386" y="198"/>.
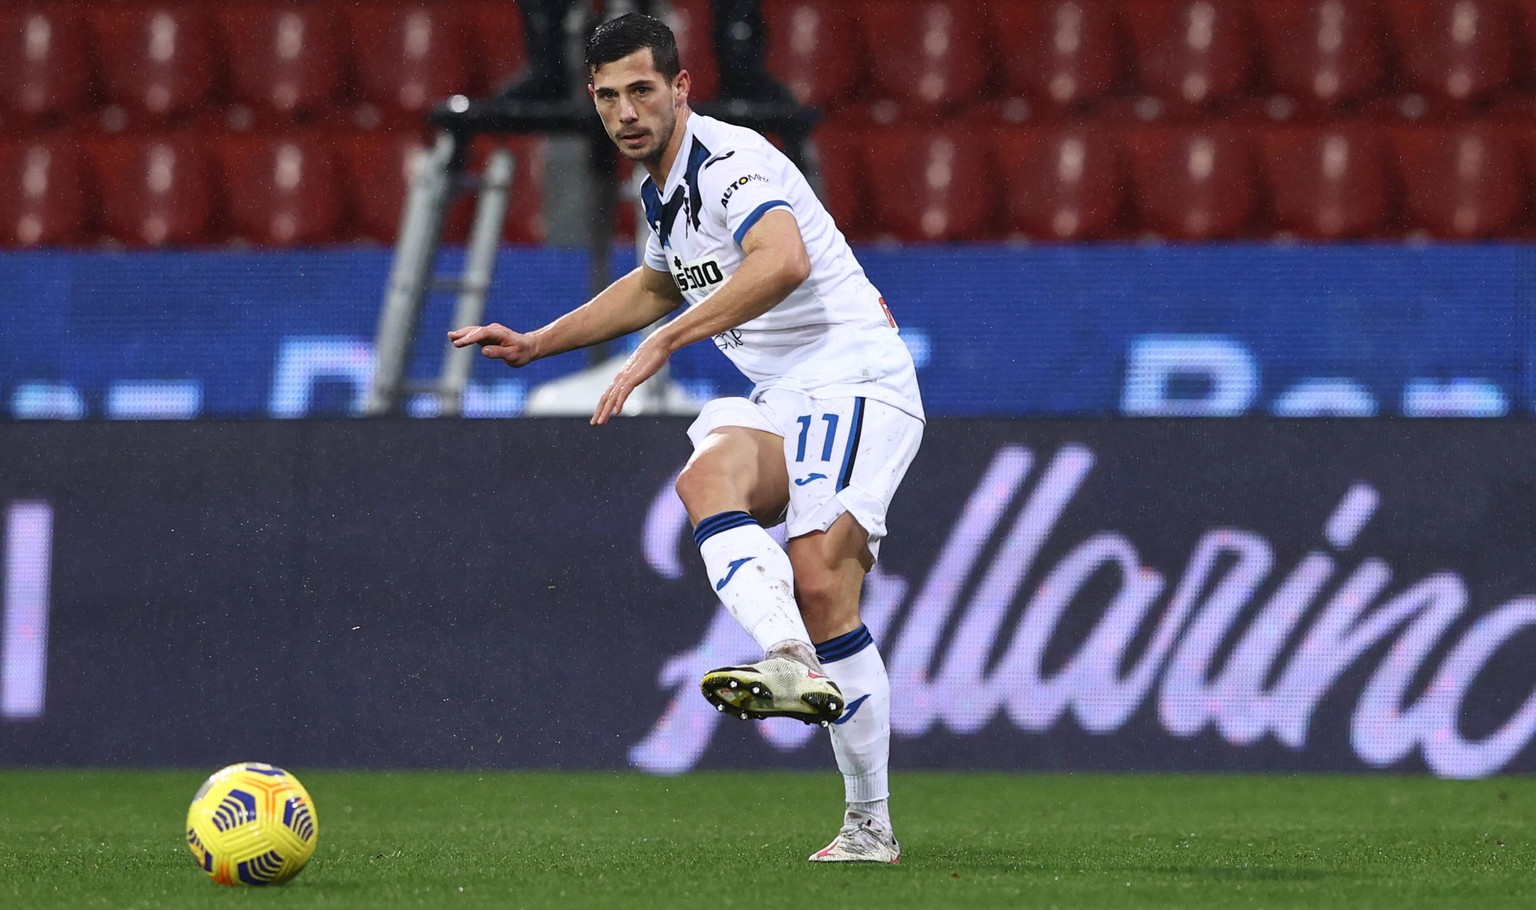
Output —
<point x="496" y="43"/>
<point x="1058" y="52"/>
<point x="1522" y="131"/>
<point x="1193" y="182"/>
<point x="1191" y="52"/>
<point x="156" y="190"/>
<point x="376" y="174"/>
<point x="159" y="59"/>
<point x="812" y="49"/>
<point x="281" y="189"/>
<point x="691" y="21"/>
<point x="1460" y="180"/>
<point x="525" y="209"/>
<point x="285" y="58"/>
<point x="935" y="184"/>
<point x="43" y="200"/>
<point x="1326" y="182"/>
<point x="926" y="53"/>
<point x="1461" y="50"/>
<point x="1322" y="53"/>
<point x="525" y="203"/>
<point x="408" y="56"/>
<point x="46" y="67"/>
<point x="377" y="171"/>
<point x="1061" y="182"/>
<point x="625" y="218"/>
<point x="1524" y="13"/>
<point x="841" y="144"/>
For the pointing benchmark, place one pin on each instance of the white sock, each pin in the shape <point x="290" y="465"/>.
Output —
<point x="752" y="576"/>
<point x="877" y="809"/>
<point x="861" y="738"/>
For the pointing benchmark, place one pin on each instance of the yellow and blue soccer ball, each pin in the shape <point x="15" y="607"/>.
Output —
<point x="252" y="824"/>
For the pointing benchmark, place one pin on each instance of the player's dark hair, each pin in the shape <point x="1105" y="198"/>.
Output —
<point x="620" y="37"/>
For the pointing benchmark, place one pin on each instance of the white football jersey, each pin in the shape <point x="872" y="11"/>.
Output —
<point x="833" y="336"/>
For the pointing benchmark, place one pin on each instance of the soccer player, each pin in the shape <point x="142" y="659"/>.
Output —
<point x="832" y="423"/>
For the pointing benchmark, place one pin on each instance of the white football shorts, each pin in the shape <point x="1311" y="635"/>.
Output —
<point x="843" y="454"/>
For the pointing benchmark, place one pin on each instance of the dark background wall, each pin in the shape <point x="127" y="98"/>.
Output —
<point x="1253" y="594"/>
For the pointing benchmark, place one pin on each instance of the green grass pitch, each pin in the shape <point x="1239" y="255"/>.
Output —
<point x="74" y="839"/>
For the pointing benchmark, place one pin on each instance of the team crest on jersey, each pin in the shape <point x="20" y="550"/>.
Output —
<point x="696" y="275"/>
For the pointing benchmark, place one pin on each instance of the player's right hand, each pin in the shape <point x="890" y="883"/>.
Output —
<point x="497" y="342"/>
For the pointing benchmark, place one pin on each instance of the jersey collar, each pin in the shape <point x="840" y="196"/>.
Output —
<point x="679" y="170"/>
<point x="662" y="209"/>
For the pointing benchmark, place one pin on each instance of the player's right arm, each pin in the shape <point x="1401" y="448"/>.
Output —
<point x="628" y="305"/>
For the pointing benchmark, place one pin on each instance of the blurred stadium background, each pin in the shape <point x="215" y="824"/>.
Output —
<point x="1079" y="209"/>
<point x="281" y="123"/>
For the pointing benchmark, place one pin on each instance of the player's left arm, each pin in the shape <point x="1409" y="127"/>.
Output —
<point x="773" y="263"/>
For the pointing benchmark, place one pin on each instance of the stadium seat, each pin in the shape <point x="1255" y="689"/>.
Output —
<point x="377" y="169"/>
<point x="842" y="170"/>
<point x="1061" y="182"/>
<point x="625" y="217"/>
<point x="1326" y="181"/>
<point x="813" y="50"/>
<point x="1058" y="53"/>
<point x="408" y="56"/>
<point x="525" y="203"/>
<point x="46" y="66"/>
<point x="280" y="189"/>
<point x="285" y="58"/>
<point x="156" y="190"/>
<point x="1460" y="180"/>
<point x="690" y="21"/>
<point x="926" y="54"/>
<point x="496" y="43"/>
<point x="1461" y="50"/>
<point x="43" y="198"/>
<point x="1524" y="15"/>
<point x="1322" y="53"/>
<point x="1192" y="53"/>
<point x="159" y="59"/>
<point x="1519" y="120"/>
<point x="376" y="175"/>
<point x="935" y="183"/>
<point x="1193" y="182"/>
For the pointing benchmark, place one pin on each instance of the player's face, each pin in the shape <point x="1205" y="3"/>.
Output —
<point x="638" y="105"/>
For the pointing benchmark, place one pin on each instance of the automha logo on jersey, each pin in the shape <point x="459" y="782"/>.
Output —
<point x="1233" y="641"/>
<point x="725" y="200"/>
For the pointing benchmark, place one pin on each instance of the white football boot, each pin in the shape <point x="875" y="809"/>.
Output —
<point x="860" y="841"/>
<point x="774" y="687"/>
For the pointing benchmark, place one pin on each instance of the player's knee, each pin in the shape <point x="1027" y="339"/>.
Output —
<point x="691" y="481"/>
<point x="697" y="485"/>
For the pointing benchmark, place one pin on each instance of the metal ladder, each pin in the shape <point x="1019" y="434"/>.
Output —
<point x="438" y="179"/>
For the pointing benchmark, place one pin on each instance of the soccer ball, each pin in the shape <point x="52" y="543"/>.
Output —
<point x="252" y="824"/>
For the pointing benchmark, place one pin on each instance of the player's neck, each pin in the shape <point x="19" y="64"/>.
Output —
<point x="661" y="166"/>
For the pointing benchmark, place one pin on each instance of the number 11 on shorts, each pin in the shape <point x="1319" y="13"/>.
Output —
<point x="805" y="430"/>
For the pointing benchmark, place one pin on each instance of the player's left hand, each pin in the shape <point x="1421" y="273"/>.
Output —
<point x="647" y="359"/>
